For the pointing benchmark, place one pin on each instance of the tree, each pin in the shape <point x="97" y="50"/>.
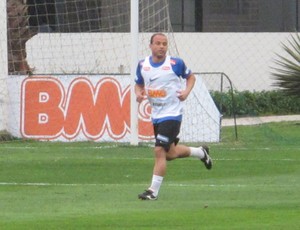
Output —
<point x="287" y="74"/>
<point x="18" y="34"/>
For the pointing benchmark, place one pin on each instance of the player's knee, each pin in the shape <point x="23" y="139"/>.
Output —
<point x="159" y="151"/>
<point x="171" y="154"/>
<point x="170" y="158"/>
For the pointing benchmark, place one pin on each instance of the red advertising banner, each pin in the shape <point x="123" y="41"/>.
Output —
<point x="96" y="108"/>
<point x="52" y="109"/>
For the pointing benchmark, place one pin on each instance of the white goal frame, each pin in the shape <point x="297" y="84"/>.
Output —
<point x="3" y="65"/>
<point x="134" y="28"/>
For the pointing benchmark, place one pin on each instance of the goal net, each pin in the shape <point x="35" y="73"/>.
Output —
<point x="66" y="72"/>
<point x="90" y="36"/>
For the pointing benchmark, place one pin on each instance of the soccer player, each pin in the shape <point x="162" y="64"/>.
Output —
<point x="158" y="77"/>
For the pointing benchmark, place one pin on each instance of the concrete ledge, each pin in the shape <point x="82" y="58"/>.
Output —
<point x="259" y="120"/>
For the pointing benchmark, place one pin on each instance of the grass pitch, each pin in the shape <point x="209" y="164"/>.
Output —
<point x="254" y="184"/>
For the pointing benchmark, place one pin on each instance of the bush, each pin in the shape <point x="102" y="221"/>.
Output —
<point x="263" y="103"/>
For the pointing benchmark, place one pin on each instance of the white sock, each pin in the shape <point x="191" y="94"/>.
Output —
<point x="197" y="152"/>
<point x="156" y="183"/>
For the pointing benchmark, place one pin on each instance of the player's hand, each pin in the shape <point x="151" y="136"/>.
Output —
<point x="182" y="95"/>
<point x="140" y="96"/>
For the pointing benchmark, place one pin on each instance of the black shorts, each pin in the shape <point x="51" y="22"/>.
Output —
<point x="166" y="133"/>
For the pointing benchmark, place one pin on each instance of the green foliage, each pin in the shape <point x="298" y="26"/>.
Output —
<point x="287" y="73"/>
<point x="246" y="103"/>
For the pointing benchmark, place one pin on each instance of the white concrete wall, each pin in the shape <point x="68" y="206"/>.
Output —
<point x="245" y="57"/>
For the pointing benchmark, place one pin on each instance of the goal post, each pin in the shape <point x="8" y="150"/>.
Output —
<point x="134" y="29"/>
<point x="71" y="72"/>
<point x="3" y="65"/>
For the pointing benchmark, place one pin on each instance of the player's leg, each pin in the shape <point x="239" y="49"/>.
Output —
<point x="182" y="151"/>
<point x="166" y="148"/>
<point x="178" y="151"/>
<point x="164" y="136"/>
<point x="160" y="163"/>
<point x="159" y="171"/>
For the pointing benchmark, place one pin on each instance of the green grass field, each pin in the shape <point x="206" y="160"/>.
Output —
<point x="254" y="184"/>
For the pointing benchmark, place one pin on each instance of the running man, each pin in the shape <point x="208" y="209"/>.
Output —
<point x="158" y="78"/>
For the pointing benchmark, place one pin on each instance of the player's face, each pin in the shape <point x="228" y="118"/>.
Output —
<point x="159" y="47"/>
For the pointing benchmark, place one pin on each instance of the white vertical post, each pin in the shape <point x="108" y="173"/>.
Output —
<point x="134" y="31"/>
<point x="3" y="65"/>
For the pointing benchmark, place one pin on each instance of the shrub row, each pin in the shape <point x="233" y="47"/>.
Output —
<point x="263" y="103"/>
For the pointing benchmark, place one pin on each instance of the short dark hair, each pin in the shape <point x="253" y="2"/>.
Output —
<point x="152" y="37"/>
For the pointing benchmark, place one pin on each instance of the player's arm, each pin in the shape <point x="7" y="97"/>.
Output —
<point x="139" y="87"/>
<point x="190" y="82"/>
<point x="139" y="92"/>
<point x="184" y="72"/>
